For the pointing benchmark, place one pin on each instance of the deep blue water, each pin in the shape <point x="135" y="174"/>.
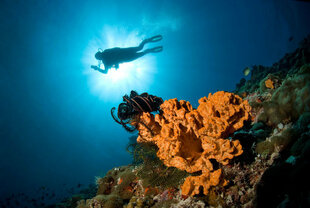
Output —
<point x="55" y="122"/>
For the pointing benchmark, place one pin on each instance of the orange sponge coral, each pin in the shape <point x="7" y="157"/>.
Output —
<point x="223" y="113"/>
<point x="269" y="84"/>
<point x="192" y="184"/>
<point x="188" y="138"/>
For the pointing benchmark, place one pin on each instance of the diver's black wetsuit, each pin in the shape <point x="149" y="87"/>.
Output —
<point x="114" y="56"/>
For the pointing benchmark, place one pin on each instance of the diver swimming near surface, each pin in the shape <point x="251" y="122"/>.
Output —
<point x="112" y="57"/>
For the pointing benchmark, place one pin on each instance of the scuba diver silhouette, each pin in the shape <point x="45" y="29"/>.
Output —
<point x="112" y="57"/>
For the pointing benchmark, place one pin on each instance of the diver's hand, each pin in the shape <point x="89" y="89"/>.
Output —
<point x="94" y="67"/>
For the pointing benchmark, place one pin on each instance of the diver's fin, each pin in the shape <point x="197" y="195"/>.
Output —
<point x="154" y="50"/>
<point x="155" y="38"/>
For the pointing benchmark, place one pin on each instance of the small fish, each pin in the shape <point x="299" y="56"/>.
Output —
<point x="246" y="71"/>
<point x="120" y="180"/>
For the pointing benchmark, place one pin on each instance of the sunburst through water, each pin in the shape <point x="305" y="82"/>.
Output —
<point x="136" y="75"/>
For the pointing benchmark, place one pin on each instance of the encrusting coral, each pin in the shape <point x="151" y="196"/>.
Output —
<point x="290" y="100"/>
<point x="269" y="84"/>
<point x="189" y="139"/>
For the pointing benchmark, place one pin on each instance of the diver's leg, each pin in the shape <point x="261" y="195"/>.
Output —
<point x="148" y="40"/>
<point x="128" y="54"/>
<point x="141" y="45"/>
<point x="138" y="48"/>
<point x="133" y="49"/>
<point x="137" y="55"/>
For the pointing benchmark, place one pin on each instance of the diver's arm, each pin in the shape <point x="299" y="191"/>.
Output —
<point x="94" y="67"/>
<point x="104" y="71"/>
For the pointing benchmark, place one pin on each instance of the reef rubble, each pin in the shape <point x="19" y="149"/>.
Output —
<point x="246" y="148"/>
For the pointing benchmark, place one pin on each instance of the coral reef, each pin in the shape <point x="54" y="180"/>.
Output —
<point x="288" y="65"/>
<point x="212" y="157"/>
<point x="189" y="139"/>
<point x="206" y="180"/>
<point x="290" y="100"/>
<point x="285" y="111"/>
<point x="154" y="173"/>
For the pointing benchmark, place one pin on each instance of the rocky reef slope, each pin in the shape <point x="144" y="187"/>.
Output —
<point x="248" y="148"/>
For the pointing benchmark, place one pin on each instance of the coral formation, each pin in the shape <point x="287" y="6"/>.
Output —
<point x="189" y="139"/>
<point x="269" y="84"/>
<point x="192" y="184"/>
<point x="275" y="142"/>
<point x="182" y="151"/>
<point x="288" y="65"/>
<point x="154" y="173"/>
<point x="290" y="100"/>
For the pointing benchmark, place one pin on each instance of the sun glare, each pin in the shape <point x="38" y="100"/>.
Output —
<point x="135" y="75"/>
